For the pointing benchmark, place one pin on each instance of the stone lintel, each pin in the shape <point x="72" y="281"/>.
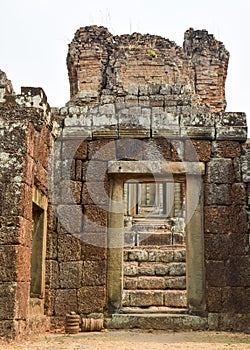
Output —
<point x="198" y="132"/>
<point x="155" y="167"/>
<point x="134" y="132"/>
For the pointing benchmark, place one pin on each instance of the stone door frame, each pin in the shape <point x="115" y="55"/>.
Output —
<point x="37" y="302"/>
<point x="191" y="173"/>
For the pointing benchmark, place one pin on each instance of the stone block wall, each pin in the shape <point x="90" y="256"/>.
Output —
<point x="111" y="133"/>
<point x="226" y="229"/>
<point x="25" y="144"/>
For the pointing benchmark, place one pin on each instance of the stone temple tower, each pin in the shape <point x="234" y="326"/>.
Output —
<point x="131" y="203"/>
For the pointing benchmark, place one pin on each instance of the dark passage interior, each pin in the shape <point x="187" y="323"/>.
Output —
<point x="154" y="247"/>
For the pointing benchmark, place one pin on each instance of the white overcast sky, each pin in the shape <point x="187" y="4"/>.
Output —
<point x="34" y="37"/>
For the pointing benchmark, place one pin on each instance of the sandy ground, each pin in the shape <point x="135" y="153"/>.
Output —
<point x="134" y="340"/>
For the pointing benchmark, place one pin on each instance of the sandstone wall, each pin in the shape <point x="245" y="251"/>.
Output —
<point x="25" y="146"/>
<point x="94" y="135"/>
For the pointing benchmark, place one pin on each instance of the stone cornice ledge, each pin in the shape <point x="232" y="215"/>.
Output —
<point x="155" y="167"/>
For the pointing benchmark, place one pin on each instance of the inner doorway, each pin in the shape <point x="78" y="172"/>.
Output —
<point x="154" y="270"/>
<point x="190" y="173"/>
<point x="154" y="213"/>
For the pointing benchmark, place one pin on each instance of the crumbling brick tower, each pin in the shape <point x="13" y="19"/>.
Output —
<point x="145" y="111"/>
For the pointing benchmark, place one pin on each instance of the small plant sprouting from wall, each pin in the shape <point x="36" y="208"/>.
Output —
<point x="152" y="53"/>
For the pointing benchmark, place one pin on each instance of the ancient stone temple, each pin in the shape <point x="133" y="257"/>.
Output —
<point x="130" y="203"/>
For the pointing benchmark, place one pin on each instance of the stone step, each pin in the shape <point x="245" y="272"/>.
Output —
<point x="147" y="298"/>
<point x="153" y="310"/>
<point x="155" y="282"/>
<point x="173" y="322"/>
<point x="148" y="254"/>
<point x="133" y="269"/>
<point x="153" y="238"/>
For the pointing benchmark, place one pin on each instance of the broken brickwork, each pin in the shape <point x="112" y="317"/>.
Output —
<point x="139" y="105"/>
<point x="127" y="65"/>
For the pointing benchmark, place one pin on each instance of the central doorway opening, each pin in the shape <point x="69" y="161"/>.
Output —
<point x="131" y="253"/>
<point x="154" y="267"/>
<point x="154" y="213"/>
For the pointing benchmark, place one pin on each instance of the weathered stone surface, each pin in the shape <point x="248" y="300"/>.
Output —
<point x="95" y="171"/>
<point x="237" y="321"/>
<point x="70" y="217"/>
<point x="146" y="269"/>
<point x="239" y="271"/>
<point x="96" y="193"/>
<point x="161" y="256"/>
<point x="57" y="322"/>
<point x="50" y="295"/>
<point x="216" y="246"/>
<point x="234" y="300"/>
<point x="81" y="120"/>
<point x="131" y="269"/>
<point x="219" y="194"/>
<point x="70" y="276"/>
<point x="246" y="166"/>
<point x="151" y="283"/>
<point x="217" y="219"/>
<point x="198" y="150"/>
<point x="165" y="322"/>
<point x="130" y="283"/>
<point x="130" y="149"/>
<point x="216" y="273"/>
<point x="71" y="192"/>
<point x="234" y="133"/>
<point x="86" y="77"/>
<point x="95" y="218"/>
<point x="138" y="255"/>
<point x="239" y="244"/>
<point x="51" y="246"/>
<point x="69" y="248"/>
<point x="177" y="150"/>
<point x="8" y="295"/>
<point x="4" y="81"/>
<point x="14" y="259"/>
<point x="227" y="149"/>
<point x="102" y="150"/>
<point x="175" y="298"/>
<point x="214" y="299"/>
<point x="94" y="247"/>
<point x="175" y="283"/>
<point x="52" y="274"/>
<point x="180" y="255"/>
<point x="221" y="171"/>
<point x="239" y="196"/>
<point x="15" y="230"/>
<point x="177" y="269"/>
<point x="231" y="126"/>
<point x="161" y="270"/>
<point x="145" y="298"/>
<point x="94" y="273"/>
<point x="91" y="299"/>
<point x="239" y="220"/>
<point x="22" y="296"/>
<point x="65" y="301"/>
